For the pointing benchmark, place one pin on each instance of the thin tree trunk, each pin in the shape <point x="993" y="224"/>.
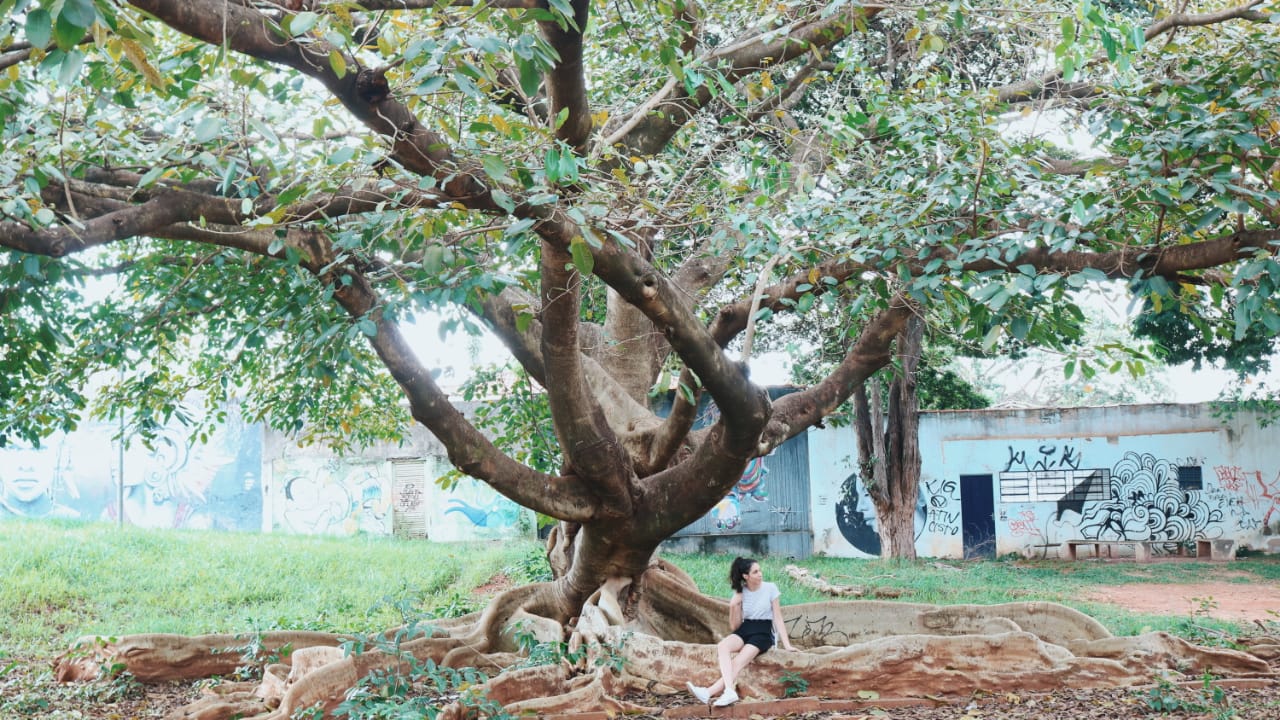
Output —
<point x="889" y="448"/>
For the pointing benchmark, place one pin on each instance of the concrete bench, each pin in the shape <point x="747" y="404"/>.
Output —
<point x="1141" y="548"/>
<point x="1216" y="549"/>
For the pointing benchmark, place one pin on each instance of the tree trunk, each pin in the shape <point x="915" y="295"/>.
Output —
<point x="889" y="448"/>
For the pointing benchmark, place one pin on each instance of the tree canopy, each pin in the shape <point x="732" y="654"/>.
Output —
<point x="621" y="193"/>
<point x="248" y="199"/>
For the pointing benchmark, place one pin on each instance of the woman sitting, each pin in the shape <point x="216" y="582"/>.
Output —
<point x="756" y="616"/>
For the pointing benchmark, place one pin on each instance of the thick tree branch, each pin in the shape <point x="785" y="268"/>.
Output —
<point x="469" y="450"/>
<point x="645" y="132"/>
<point x="567" y="81"/>
<point x="797" y="411"/>
<point x="247" y="31"/>
<point x="590" y="445"/>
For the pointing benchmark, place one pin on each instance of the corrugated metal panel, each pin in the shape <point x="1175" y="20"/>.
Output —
<point x="771" y="500"/>
<point x="409" y="498"/>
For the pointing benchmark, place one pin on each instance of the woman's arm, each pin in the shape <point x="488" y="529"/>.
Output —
<point x="735" y="612"/>
<point x="780" y="627"/>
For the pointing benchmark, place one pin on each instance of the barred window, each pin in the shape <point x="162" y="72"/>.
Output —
<point x="1190" y="477"/>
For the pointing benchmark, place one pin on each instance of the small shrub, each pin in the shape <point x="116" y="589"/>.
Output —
<point x="793" y="684"/>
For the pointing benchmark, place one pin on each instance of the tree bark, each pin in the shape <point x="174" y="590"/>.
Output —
<point x="889" y="447"/>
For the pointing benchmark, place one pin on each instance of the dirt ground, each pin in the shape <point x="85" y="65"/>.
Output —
<point x="1219" y="600"/>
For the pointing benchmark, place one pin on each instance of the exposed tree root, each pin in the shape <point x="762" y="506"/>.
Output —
<point x="653" y="634"/>
<point x="808" y="579"/>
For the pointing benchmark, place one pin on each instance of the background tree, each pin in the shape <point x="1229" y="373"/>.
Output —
<point x="616" y="191"/>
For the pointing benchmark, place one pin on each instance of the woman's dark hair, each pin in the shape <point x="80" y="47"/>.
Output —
<point x="738" y="572"/>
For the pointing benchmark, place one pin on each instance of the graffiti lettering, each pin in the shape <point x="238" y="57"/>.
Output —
<point x="1050" y="458"/>
<point x="942" y="494"/>
<point x="819" y="629"/>
<point x="1230" y="477"/>
<point x="1015" y="458"/>
<point x="409" y="497"/>
<point x="1264" y="495"/>
<point x="1025" y="525"/>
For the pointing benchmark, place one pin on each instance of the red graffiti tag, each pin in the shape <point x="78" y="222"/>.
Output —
<point x="1265" y="495"/>
<point x="1230" y="477"/>
<point x="1025" y="525"/>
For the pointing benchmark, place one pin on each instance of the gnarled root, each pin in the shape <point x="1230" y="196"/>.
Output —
<point x="156" y="657"/>
<point x="653" y="634"/>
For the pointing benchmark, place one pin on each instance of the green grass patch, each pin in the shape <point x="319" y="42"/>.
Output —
<point x="64" y="580"/>
<point x="948" y="582"/>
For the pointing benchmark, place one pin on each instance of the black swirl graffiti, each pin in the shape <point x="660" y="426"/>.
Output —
<point x="1145" y="502"/>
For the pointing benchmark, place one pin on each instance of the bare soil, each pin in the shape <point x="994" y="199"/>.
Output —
<point x="1238" y="602"/>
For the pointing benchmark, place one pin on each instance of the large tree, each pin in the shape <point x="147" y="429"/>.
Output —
<point x="623" y="194"/>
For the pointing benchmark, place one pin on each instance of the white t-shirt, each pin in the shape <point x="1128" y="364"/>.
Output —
<point x="758" y="604"/>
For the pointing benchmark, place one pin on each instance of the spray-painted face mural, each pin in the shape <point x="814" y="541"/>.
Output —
<point x="856" y="516"/>
<point x="29" y="478"/>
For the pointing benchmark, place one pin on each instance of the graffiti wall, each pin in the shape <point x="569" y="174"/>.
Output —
<point x="766" y="511"/>
<point x="170" y="483"/>
<point x="472" y="510"/>
<point x="844" y="518"/>
<point x="329" y="496"/>
<point x="999" y="482"/>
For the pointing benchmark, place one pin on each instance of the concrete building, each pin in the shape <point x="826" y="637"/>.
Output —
<point x="993" y="482"/>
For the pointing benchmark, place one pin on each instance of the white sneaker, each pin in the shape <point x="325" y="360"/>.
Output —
<point x="703" y="694"/>
<point x="728" y="698"/>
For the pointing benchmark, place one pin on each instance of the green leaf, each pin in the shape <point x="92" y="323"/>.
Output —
<point x="298" y="24"/>
<point x="79" y="13"/>
<point x="551" y="165"/>
<point x="496" y="169"/>
<point x="66" y="34"/>
<point x="530" y="76"/>
<point x="582" y="258"/>
<point x="1019" y="327"/>
<point x="31" y="265"/>
<point x="368" y="327"/>
<point x="569" y="166"/>
<point x="70" y="70"/>
<point x="338" y="63"/>
<point x="39" y="28"/>
<point x="342" y="155"/>
<point x="208" y="129"/>
<point x="992" y="337"/>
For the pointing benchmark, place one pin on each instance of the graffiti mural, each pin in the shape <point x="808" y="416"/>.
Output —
<point x="856" y="515"/>
<point x="332" y="497"/>
<point x="471" y="510"/>
<point x="170" y="483"/>
<point x="727" y="513"/>
<point x="34" y="483"/>
<point x="1146" y="501"/>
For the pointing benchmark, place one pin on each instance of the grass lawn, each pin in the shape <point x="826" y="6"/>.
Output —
<point x="61" y="580"/>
